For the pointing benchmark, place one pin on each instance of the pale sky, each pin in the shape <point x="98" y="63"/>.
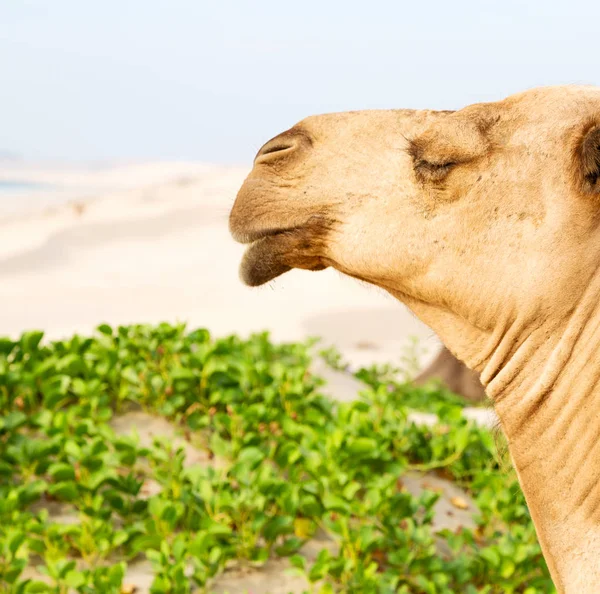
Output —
<point x="212" y="80"/>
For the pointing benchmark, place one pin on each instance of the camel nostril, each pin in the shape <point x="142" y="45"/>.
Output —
<point x="284" y="145"/>
<point x="275" y="148"/>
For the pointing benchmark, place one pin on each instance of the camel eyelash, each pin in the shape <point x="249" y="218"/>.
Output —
<point x="433" y="172"/>
<point x="425" y="169"/>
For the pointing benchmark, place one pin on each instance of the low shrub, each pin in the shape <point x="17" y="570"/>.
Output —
<point x="284" y="463"/>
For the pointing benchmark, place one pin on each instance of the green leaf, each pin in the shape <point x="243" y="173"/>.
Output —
<point x="335" y="504"/>
<point x="491" y="555"/>
<point x="6" y="345"/>
<point x="15" y="542"/>
<point x="251" y="456"/>
<point x="278" y="526"/>
<point x="31" y="340"/>
<point x="289" y="547"/>
<point x="362" y="446"/>
<point x="37" y="587"/>
<point x="507" y="568"/>
<point x="130" y="375"/>
<point x="298" y="561"/>
<point x="75" y="579"/>
<point x="66" y="491"/>
<point x="13" y="420"/>
<point x="61" y="472"/>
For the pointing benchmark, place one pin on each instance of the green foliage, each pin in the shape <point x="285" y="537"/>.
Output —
<point x="290" y="463"/>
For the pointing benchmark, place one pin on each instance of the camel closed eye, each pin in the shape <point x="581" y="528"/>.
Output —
<point x="428" y="171"/>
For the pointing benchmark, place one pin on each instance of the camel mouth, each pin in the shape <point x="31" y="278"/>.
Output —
<point x="273" y="252"/>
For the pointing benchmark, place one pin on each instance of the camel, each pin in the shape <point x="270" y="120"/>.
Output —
<point x="485" y="222"/>
<point x="455" y="375"/>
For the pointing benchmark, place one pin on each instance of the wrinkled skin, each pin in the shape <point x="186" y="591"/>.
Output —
<point x="484" y="222"/>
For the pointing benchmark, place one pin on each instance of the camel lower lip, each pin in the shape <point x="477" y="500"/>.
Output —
<point x="263" y="261"/>
<point x="273" y="255"/>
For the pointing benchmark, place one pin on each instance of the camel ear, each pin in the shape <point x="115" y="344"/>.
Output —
<point x="589" y="160"/>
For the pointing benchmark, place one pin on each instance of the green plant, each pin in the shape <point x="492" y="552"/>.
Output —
<point x="291" y="463"/>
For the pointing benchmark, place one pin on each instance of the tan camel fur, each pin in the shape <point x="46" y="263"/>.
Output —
<point x="485" y="222"/>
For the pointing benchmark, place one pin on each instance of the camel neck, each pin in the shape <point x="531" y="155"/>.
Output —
<point x="545" y="383"/>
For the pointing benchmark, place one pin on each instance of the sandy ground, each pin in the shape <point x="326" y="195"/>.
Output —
<point x="149" y="242"/>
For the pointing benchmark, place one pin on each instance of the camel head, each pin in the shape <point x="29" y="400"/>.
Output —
<point x="486" y="223"/>
<point x="474" y="218"/>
